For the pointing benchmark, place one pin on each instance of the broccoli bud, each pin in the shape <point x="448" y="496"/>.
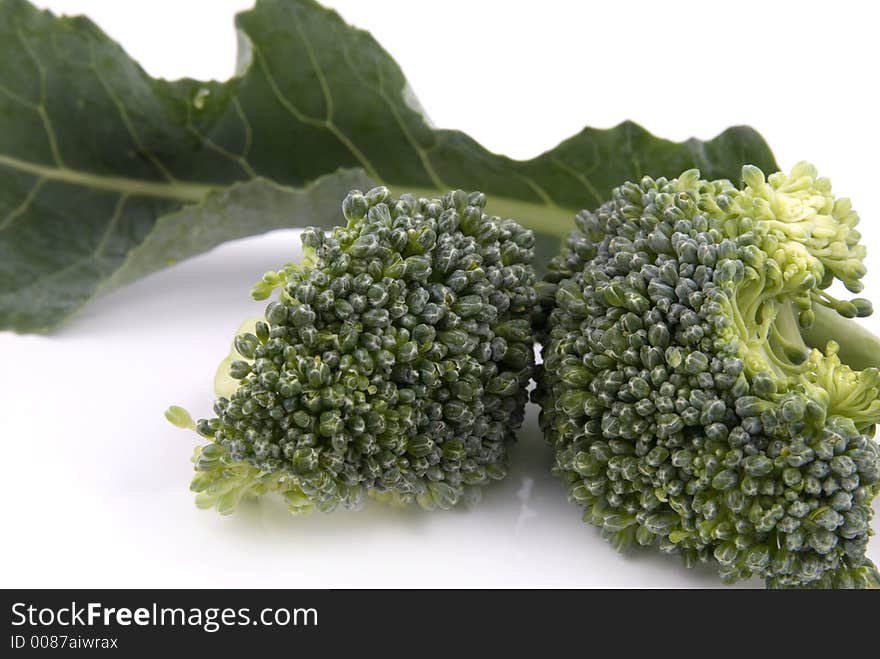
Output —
<point x="692" y="387"/>
<point x="394" y="362"/>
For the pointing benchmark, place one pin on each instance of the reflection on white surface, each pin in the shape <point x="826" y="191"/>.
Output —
<point x="526" y="512"/>
<point x="99" y="478"/>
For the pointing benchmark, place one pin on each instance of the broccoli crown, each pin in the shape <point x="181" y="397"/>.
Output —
<point x="685" y="409"/>
<point x="394" y="362"/>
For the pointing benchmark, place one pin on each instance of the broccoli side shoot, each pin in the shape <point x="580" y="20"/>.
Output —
<point x="685" y="406"/>
<point x="394" y="362"/>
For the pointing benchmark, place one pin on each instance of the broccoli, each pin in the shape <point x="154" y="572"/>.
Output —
<point x="393" y="363"/>
<point x="684" y="406"/>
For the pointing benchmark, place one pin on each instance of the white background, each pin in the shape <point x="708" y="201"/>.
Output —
<point x="95" y="481"/>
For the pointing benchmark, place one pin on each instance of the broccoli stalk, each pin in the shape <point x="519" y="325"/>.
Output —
<point x="694" y="386"/>
<point x="860" y="348"/>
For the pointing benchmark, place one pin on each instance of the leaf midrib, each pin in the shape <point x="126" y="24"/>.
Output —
<point x="553" y="219"/>
<point x="185" y="192"/>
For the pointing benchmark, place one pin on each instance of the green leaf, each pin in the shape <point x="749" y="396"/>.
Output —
<point x="107" y="174"/>
<point x="237" y="211"/>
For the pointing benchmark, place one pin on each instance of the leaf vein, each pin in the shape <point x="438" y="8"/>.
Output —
<point x="17" y="98"/>
<point x="19" y="210"/>
<point x="541" y="192"/>
<point x="126" y="120"/>
<point x="311" y="121"/>
<point x="322" y="80"/>
<point x="111" y="225"/>
<point x="246" y="124"/>
<point x="205" y="140"/>
<point x="91" y="256"/>
<point x="41" y="106"/>
<point x="580" y="177"/>
<point x="423" y="154"/>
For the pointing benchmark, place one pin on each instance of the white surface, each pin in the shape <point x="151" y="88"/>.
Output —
<point x="95" y="480"/>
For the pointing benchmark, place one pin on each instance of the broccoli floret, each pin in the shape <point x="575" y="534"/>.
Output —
<point x="685" y="408"/>
<point x="394" y="362"/>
